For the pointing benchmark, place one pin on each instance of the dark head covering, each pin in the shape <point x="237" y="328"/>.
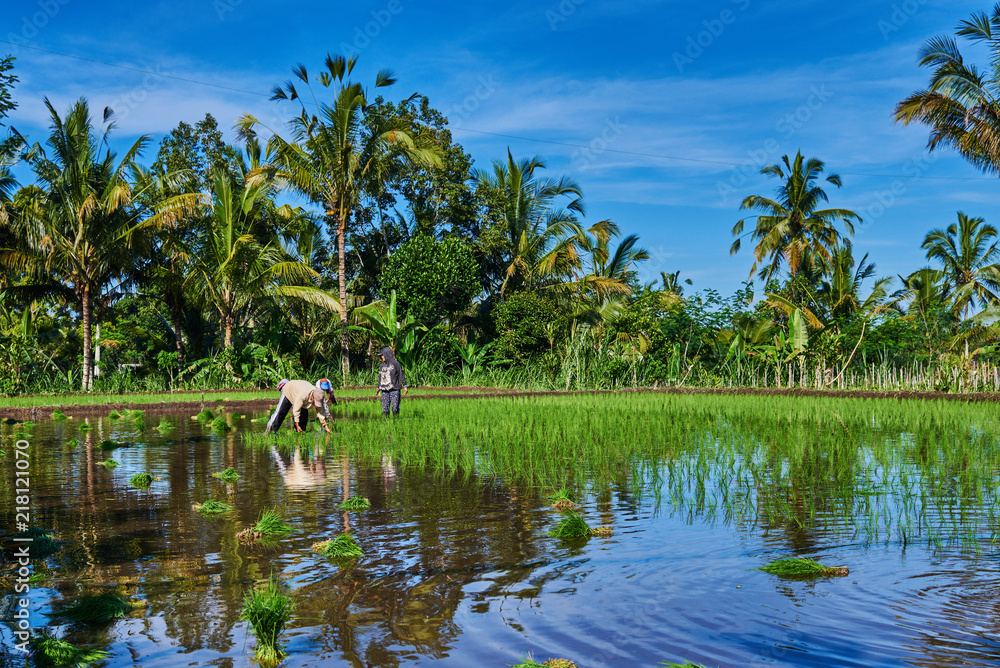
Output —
<point x="387" y="354"/>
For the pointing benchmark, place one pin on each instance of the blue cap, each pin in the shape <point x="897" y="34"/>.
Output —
<point x="325" y="385"/>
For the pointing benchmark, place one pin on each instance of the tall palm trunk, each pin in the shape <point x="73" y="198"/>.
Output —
<point x="86" y="310"/>
<point x="345" y="347"/>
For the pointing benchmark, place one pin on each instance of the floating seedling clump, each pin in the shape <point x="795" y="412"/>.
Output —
<point x="229" y="475"/>
<point x="72" y="441"/>
<point x="58" y="415"/>
<point x="115" y="415"/>
<point x="342" y="547"/>
<point x="561" y="500"/>
<point x="109" y="464"/>
<point x="795" y="567"/>
<point x="356" y="503"/>
<point x="48" y="651"/>
<point x="271" y="524"/>
<point x="219" y="424"/>
<point x="141" y="480"/>
<point x="111" y="445"/>
<point x="41" y="545"/>
<point x="212" y="507"/>
<point x="86" y="426"/>
<point x="551" y="663"/>
<point x="101" y="609"/>
<point x="267" y="610"/>
<point x="164" y="426"/>
<point x="205" y="416"/>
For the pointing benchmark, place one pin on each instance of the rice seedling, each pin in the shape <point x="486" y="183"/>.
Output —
<point x="230" y="475"/>
<point x="220" y="425"/>
<point x="86" y="426"/>
<point x="140" y="425"/>
<point x="41" y="545"/>
<point x="686" y="664"/>
<point x="164" y="426"/>
<point x="561" y="499"/>
<point x="134" y="413"/>
<point x="114" y="415"/>
<point x="38" y="577"/>
<point x="570" y="526"/>
<point x="72" y="441"/>
<point x="794" y="567"/>
<point x="47" y="651"/>
<point x="205" y="416"/>
<point x="212" y="507"/>
<point x="141" y="480"/>
<point x="342" y="547"/>
<point x="110" y="445"/>
<point x="109" y="464"/>
<point x="28" y="424"/>
<point x="528" y="662"/>
<point x="58" y="415"/>
<point x="356" y="503"/>
<point x="100" y="609"/>
<point x="267" y="609"/>
<point x="271" y="523"/>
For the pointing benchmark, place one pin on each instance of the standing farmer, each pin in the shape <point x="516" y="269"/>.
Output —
<point x="390" y="381"/>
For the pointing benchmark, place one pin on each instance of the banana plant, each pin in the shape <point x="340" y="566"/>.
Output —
<point x="384" y="325"/>
<point x="473" y="356"/>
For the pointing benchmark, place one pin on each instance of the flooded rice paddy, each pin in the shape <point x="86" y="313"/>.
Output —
<point x="459" y="568"/>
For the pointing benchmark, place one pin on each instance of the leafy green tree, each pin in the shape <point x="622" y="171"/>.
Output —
<point x="968" y="253"/>
<point x="521" y="324"/>
<point x="792" y="230"/>
<point x="432" y="278"/>
<point x="338" y="152"/>
<point x="193" y="154"/>
<point x="8" y="149"/>
<point x="79" y="231"/>
<point x="961" y="104"/>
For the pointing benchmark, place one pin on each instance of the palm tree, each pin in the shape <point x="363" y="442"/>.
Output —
<point x="969" y="262"/>
<point x="235" y="267"/>
<point x="542" y="241"/>
<point x="338" y="152"/>
<point x="78" y="227"/>
<point x="609" y="273"/>
<point x="792" y="230"/>
<point x="961" y="105"/>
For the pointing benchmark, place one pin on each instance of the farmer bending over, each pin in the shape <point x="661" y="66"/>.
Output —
<point x="390" y="380"/>
<point x="298" y="396"/>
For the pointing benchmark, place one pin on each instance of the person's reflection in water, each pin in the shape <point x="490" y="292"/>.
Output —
<point x="300" y="472"/>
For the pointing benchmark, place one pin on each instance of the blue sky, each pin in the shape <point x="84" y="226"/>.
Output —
<point x="663" y="111"/>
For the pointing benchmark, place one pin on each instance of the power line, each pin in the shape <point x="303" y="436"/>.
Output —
<point x="497" y="134"/>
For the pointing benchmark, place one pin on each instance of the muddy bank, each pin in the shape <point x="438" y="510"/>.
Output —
<point x="164" y="406"/>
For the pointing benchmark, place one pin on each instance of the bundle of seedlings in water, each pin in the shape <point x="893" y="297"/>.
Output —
<point x="140" y="425"/>
<point x="356" y="503"/>
<point x="115" y="415"/>
<point x="164" y="426"/>
<point x="86" y="426"/>
<point x="111" y="445"/>
<point x="267" y="610"/>
<point x="28" y="425"/>
<point x="58" y="415"/>
<point x="48" y="651"/>
<point x="108" y="464"/>
<point x="72" y="441"/>
<point x="270" y="525"/>
<point x="220" y="425"/>
<point x="795" y="567"/>
<point x="528" y="662"/>
<point x="101" y="609"/>
<point x="141" y="480"/>
<point x="212" y="507"/>
<point x="230" y="475"/>
<point x="342" y="547"/>
<point x="574" y="526"/>
<point x="135" y="414"/>
<point x="686" y="664"/>
<point x="41" y="544"/>
<point x="561" y="500"/>
<point x="205" y="416"/>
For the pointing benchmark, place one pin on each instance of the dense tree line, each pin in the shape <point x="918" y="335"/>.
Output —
<point x="362" y="222"/>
